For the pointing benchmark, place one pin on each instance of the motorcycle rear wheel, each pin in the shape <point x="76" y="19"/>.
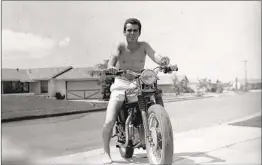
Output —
<point x="126" y="152"/>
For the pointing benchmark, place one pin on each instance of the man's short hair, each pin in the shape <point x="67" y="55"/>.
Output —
<point x="133" y="21"/>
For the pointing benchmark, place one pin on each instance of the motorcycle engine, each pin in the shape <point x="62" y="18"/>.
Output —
<point x="135" y="133"/>
<point x="131" y="98"/>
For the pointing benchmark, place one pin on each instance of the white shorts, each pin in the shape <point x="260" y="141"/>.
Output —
<point x="119" y="87"/>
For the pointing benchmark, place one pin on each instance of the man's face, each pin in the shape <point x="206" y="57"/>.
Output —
<point x="132" y="32"/>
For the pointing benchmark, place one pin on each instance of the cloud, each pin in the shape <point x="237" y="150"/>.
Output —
<point x="28" y="44"/>
<point x="64" y="42"/>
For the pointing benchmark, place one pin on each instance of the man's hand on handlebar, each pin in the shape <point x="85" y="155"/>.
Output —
<point x="165" y="65"/>
<point x="112" y="70"/>
<point x="169" y="68"/>
<point x="165" y="61"/>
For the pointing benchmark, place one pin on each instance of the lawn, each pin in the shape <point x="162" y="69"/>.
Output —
<point x="22" y="106"/>
<point x="18" y="106"/>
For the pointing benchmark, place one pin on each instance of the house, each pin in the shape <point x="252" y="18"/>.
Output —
<point x="193" y="83"/>
<point x="251" y="84"/>
<point x="73" y="83"/>
<point x="165" y="83"/>
<point x="79" y="83"/>
<point x="15" y="81"/>
<point x="38" y="81"/>
<point x="254" y="84"/>
<point x="239" y="84"/>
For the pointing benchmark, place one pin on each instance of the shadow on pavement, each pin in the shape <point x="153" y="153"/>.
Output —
<point x="253" y="122"/>
<point x="181" y="158"/>
<point x="178" y="158"/>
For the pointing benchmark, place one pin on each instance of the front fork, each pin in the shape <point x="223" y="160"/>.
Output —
<point x="143" y="106"/>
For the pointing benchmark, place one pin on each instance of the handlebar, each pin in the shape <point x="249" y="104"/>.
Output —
<point x="120" y="72"/>
<point x="165" y="69"/>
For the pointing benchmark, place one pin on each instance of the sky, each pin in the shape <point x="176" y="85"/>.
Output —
<point x="204" y="38"/>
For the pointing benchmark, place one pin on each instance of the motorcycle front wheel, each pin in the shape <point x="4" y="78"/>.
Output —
<point x="159" y="145"/>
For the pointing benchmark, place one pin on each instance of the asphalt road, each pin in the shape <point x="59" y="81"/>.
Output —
<point x="75" y="133"/>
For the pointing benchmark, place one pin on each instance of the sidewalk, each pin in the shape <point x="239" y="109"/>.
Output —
<point x="219" y="144"/>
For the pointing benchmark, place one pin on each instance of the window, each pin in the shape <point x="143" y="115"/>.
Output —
<point x="44" y="86"/>
<point x="7" y="87"/>
<point x="15" y="87"/>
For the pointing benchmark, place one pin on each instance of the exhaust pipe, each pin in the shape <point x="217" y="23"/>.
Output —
<point x="126" y="133"/>
<point x="138" y="144"/>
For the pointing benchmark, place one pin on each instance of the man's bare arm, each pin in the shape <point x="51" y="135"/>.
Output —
<point x="114" y="56"/>
<point x="112" y="61"/>
<point x="156" y="57"/>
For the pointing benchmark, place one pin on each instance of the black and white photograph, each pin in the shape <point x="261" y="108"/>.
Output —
<point x="131" y="82"/>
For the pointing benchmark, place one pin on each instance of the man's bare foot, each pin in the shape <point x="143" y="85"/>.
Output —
<point x="106" y="159"/>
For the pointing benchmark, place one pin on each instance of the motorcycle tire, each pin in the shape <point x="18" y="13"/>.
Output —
<point x="126" y="152"/>
<point x="166" y="134"/>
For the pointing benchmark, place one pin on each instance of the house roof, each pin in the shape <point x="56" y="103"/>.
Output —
<point x="46" y="73"/>
<point x="15" y="75"/>
<point x="250" y="81"/>
<point x="83" y="73"/>
<point x="30" y="75"/>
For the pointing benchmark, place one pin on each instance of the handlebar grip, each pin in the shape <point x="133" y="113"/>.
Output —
<point x="116" y="74"/>
<point x="169" y="69"/>
<point x="174" y="68"/>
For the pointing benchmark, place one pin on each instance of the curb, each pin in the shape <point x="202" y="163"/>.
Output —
<point x="50" y="115"/>
<point x="185" y="99"/>
<point x="244" y="118"/>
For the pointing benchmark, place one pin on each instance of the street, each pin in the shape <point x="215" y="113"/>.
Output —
<point x="77" y="133"/>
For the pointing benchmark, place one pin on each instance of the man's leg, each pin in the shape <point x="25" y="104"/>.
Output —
<point x="114" y="105"/>
<point x="113" y="108"/>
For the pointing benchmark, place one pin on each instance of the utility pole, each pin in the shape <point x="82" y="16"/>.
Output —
<point x="245" y="75"/>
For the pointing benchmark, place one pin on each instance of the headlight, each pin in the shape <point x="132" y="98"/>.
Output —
<point x="148" y="77"/>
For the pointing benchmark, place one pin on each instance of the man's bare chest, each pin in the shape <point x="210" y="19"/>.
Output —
<point x="132" y="55"/>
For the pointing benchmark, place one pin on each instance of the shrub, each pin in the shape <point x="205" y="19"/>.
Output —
<point x="59" y="96"/>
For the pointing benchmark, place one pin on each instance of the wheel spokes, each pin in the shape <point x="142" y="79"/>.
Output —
<point x="154" y="127"/>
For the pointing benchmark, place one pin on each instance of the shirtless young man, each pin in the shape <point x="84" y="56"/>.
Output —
<point x="128" y="55"/>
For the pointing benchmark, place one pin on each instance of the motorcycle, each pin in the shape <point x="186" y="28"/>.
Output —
<point x="143" y="121"/>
